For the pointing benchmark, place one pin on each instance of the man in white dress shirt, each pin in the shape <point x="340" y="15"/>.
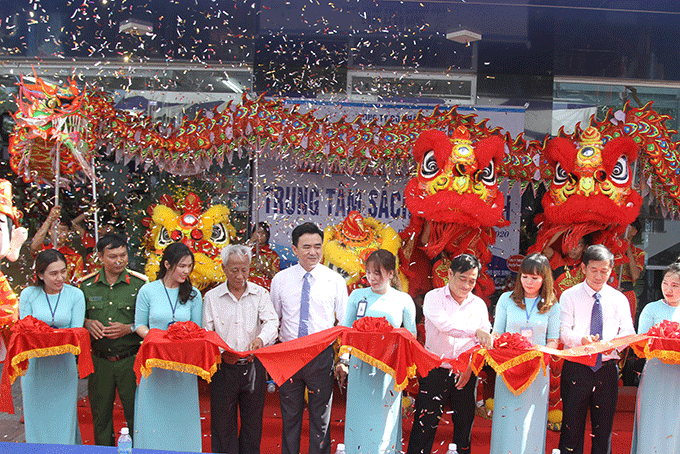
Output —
<point x="591" y="311"/>
<point x="241" y="313"/>
<point x="455" y="321"/>
<point x="308" y="297"/>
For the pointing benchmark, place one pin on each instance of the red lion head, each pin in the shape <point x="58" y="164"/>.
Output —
<point x="454" y="203"/>
<point x="456" y="181"/>
<point x="592" y="180"/>
<point x="591" y="192"/>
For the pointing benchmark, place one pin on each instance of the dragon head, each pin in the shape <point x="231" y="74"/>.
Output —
<point x="456" y="179"/>
<point x="204" y="232"/>
<point x="50" y="118"/>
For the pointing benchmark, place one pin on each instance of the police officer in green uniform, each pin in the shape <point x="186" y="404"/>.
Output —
<point x="110" y="296"/>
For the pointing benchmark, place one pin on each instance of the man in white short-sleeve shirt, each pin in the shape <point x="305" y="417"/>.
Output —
<point x="241" y="313"/>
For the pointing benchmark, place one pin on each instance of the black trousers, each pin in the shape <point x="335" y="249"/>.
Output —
<point x="583" y="389"/>
<point x="317" y="378"/>
<point x="435" y="390"/>
<point x="231" y="391"/>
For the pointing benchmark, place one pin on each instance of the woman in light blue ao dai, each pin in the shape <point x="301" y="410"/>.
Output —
<point x="520" y="422"/>
<point x="167" y="415"/>
<point x="657" y="419"/>
<point x="50" y="386"/>
<point x="373" y="424"/>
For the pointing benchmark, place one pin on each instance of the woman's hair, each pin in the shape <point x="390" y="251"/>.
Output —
<point x="43" y="260"/>
<point x="173" y="254"/>
<point x="384" y="260"/>
<point x="673" y="268"/>
<point x="538" y="265"/>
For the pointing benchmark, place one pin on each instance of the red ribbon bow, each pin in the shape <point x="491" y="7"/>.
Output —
<point x="666" y="328"/>
<point x="30" y="324"/>
<point x="184" y="330"/>
<point x="373" y="325"/>
<point x="513" y="341"/>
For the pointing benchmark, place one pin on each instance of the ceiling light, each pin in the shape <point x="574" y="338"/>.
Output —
<point x="463" y="36"/>
<point x="136" y="27"/>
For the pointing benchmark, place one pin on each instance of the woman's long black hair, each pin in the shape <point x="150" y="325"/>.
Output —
<point x="43" y="260"/>
<point x="173" y="254"/>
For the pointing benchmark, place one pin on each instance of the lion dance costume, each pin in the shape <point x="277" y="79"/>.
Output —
<point x="455" y="204"/>
<point x="591" y="193"/>
<point x="204" y="232"/>
<point x="347" y="245"/>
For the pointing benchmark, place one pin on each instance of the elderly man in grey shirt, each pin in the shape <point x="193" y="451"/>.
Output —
<point x="241" y="313"/>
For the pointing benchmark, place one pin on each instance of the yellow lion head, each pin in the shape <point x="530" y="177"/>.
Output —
<point x="205" y="232"/>
<point x="347" y="245"/>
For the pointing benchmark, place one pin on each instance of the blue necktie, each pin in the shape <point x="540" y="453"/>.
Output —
<point x="596" y="327"/>
<point x="303" y="329"/>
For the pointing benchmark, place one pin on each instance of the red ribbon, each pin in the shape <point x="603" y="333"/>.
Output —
<point x="33" y="338"/>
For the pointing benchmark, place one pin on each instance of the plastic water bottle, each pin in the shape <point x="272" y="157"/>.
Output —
<point x="555" y="451"/>
<point x="453" y="449"/>
<point x="124" y="441"/>
<point x="341" y="449"/>
<point x="271" y="387"/>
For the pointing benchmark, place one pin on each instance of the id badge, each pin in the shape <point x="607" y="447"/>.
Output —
<point x="361" y="308"/>
<point x="527" y="332"/>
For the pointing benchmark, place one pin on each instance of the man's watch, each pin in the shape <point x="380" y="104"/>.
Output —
<point x="132" y="328"/>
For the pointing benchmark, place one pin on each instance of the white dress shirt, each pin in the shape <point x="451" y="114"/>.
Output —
<point x="577" y="306"/>
<point x="239" y="321"/>
<point x="450" y="327"/>
<point x="327" y="299"/>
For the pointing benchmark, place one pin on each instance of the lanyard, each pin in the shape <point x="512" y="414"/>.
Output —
<point x="53" y="311"/>
<point x="528" y="311"/>
<point x="173" y="308"/>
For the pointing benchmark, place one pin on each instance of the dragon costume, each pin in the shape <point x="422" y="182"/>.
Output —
<point x="51" y="119"/>
<point x="204" y="231"/>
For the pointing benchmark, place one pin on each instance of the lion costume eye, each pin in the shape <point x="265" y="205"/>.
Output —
<point x="488" y="174"/>
<point x="429" y="167"/>
<point x="620" y="171"/>
<point x="560" y="174"/>
<point x="219" y="234"/>
<point x="164" y="237"/>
